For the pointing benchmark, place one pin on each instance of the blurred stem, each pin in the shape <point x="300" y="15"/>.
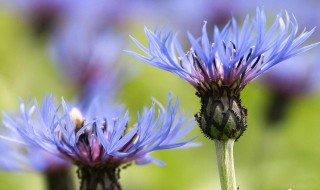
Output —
<point x="278" y="108"/>
<point x="57" y="180"/>
<point x="224" y="151"/>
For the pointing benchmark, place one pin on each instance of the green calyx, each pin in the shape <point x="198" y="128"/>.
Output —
<point x="221" y="116"/>
<point x="98" y="178"/>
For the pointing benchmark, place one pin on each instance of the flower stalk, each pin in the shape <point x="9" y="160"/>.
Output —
<point x="224" y="152"/>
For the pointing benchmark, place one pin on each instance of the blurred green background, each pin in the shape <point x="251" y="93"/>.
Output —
<point x="281" y="157"/>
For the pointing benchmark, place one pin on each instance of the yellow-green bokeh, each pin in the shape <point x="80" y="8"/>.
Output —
<point x="285" y="156"/>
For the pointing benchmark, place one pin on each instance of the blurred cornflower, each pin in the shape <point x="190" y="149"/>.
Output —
<point x="288" y="81"/>
<point x="216" y="12"/>
<point x="45" y="16"/>
<point x="219" y="70"/>
<point x="42" y="15"/>
<point x="99" y="145"/>
<point x="88" y="58"/>
<point x="86" y="49"/>
<point x="100" y="13"/>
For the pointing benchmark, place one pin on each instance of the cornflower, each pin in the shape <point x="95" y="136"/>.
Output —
<point x="88" y="57"/>
<point x="288" y="81"/>
<point x="219" y="70"/>
<point x="42" y="15"/>
<point x="100" y="145"/>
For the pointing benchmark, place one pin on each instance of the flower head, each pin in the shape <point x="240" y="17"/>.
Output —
<point x="88" y="57"/>
<point x="215" y="12"/>
<point x="220" y="69"/>
<point x="100" y="141"/>
<point x="286" y="82"/>
<point x="42" y="15"/>
<point x="235" y="55"/>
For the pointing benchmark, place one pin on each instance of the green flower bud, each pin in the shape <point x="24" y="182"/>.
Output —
<point x="221" y="115"/>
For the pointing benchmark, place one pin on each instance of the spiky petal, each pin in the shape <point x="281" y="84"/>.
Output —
<point x="64" y="131"/>
<point x="235" y="53"/>
<point x="221" y="68"/>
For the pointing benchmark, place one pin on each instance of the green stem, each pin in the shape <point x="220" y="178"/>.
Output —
<point x="224" y="150"/>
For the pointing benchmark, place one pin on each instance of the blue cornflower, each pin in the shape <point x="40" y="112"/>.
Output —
<point x="219" y="70"/>
<point x="236" y="54"/>
<point x="286" y="82"/>
<point x="218" y="11"/>
<point x="42" y="15"/>
<point x="293" y="78"/>
<point x="45" y="16"/>
<point x="100" y="145"/>
<point x="87" y="57"/>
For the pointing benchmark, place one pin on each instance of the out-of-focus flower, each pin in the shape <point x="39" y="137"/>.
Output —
<point x="295" y="78"/>
<point x="99" y="145"/>
<point x="86" y="49"/>
<point x="43" y="15"/>
<point x="100" y="13"/>
<point x="219" y="70"/>
<point x="46" y="16"/>
<point x="88" y="58"/>
<point x="185" y="14"/>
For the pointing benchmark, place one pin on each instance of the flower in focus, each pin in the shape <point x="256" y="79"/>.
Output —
<point x="219" y="70"/>
<point x="100" y="145"/>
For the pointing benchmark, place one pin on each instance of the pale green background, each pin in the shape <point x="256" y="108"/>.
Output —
<point x="284" y="157"/>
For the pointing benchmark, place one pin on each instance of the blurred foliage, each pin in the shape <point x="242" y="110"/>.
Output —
<point x="281" y="157"/>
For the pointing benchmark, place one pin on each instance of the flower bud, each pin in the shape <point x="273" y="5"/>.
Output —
<point x="221" y="115"/>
